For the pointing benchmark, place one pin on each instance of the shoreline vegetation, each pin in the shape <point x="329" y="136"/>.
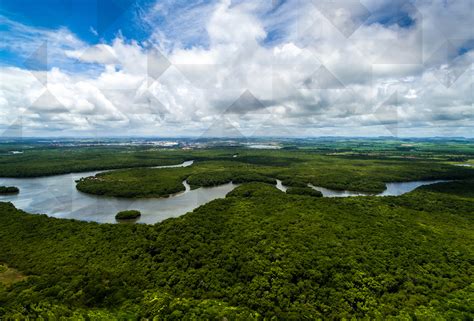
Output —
<point x="42" y="159"/>
<point x="128" y="215"/>
<point x="258" y="253"/>
<point x="253" y="255"/>
<point x="132" y="177"/>
<point x="4" y="190"/>
<point x="308" y="191"/>
<point x="369" y="176"/>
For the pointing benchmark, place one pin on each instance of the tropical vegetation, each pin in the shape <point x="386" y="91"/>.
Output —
<point x="128" y="215"/>
<point x="258" y="253"/>
<point x="9" y="190"/>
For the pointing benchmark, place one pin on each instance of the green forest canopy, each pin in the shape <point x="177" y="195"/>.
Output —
<point x="367" y="175"/>
<point x="257" y="253"/>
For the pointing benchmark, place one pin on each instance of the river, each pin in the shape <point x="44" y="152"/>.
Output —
<point x="57" y="196"/>
<point x="392" y="189"/>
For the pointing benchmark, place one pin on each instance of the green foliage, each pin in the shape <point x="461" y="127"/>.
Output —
<point x="52" y="161"/>
<point x="331" y="172"/>
<point x="304" y="191"/>
<point x="210" y="178"/>
<point x="258" y="253"/>
<point x="291" y="182"/>
<point x="141" y="182"/>
<point x="128" y="215"/>
<point x="241" y="177"/>
<point x="9" y="276"/>
<point x="162" y="306"/>
<point x="355" y="165"/>
<point x="214" y="178"/>
<point x="9" y="190"/>
<point x="460" y="188"/>
<point x="153" y="182"/>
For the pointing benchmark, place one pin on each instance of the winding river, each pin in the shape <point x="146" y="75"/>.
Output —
<point x="392" y="189"/>
<point x="57" y="196"/>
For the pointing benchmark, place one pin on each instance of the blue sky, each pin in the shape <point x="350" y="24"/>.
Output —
<point x="153" y="67"/>
<point x="80" y="17"/>
<point x="90" y="21"/>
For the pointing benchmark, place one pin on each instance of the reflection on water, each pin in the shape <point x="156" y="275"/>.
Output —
<point x="392" y="189"/>
<point x="57" y="196"/>
<point x="280" y="186"/>
<point x="335" y="193"/>
<point x="184" y="164"/>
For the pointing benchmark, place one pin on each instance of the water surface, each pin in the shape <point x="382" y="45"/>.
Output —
<point x="280" y="186"/>
<point x="57" y="196"/>
<point x="392" y="189"/>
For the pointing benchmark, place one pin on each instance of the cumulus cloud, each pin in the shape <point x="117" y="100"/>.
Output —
<point x="260" y="72"/>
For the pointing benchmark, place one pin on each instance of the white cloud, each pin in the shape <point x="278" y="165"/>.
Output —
<point x="349" y="96"/>
<point x="25" y="41"/>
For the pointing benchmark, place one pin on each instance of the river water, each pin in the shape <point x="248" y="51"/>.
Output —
<point x="57" y="196"/>
<point x="392" y="189"/>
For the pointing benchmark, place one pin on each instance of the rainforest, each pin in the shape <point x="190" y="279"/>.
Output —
<point x="236" y="160"/>
<point x="256" y="253"/>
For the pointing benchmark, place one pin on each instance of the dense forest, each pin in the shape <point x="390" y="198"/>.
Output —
<point x="53" y="161"/>
<point x="368" y="175"/>
<point x="45" y="158"/>
<point x="258" y="253"/>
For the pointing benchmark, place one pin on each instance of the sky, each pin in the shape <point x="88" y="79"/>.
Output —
<point x="204" y="68"/>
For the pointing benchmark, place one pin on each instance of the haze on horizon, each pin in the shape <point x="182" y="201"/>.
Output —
<point x="236" y="68"/>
